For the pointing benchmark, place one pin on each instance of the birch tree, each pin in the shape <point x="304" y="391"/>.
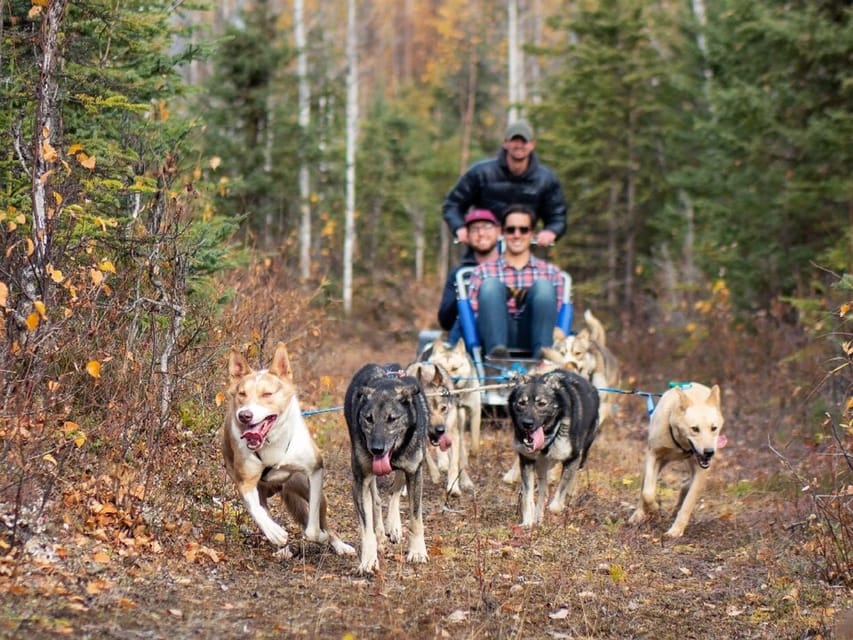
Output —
<point x="304" y="122"/>
<point x="351" y="138"/>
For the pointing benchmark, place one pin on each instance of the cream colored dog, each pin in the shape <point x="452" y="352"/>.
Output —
<point x="685" y="425"/>
<point x="461" y="368"/>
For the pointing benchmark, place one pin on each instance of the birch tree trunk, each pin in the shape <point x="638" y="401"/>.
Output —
<point x="304" y="122"/>
<point x="514" y="60"/>
<point x="351" y="137"/>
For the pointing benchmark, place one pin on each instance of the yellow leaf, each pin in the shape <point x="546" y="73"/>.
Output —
<point x="48" y="151"/>
<point x="845" y="308"/>
<point x="94" y="368"/>
<point x="11" y="226"/>
<point x="96" y="276"/>
<point x="57" y="197"/>
<point x="74" y="148"/>
<point x="39" y="306"/>
<point x="215" y="161"/>
<point x="56" y="276"/>
<point x="32" y="321"/>
<point x="41" y="3"/>
<point x="220" y="398"/>
<point x="30" y="247"/>
<point x="88" y="162"/>
<point x="33" y="12"/>
<point x="4" y="294"/>
<point x="20" y="218"/>
<point x="53" y="386"/>
<point x="80" y="440"/>
<point x="49" y="458"/>
<point x="106" y="265"/>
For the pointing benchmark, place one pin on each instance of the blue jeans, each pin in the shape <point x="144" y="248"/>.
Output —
<point x="532" y="329"/>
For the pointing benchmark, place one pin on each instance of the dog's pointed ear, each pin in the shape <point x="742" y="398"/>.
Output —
<point x="459" y="347"/>
<point x="714" y="396"/>
<point x="280" y="364"/>
<point x="583" y="338"/>
<point x="558" y="334"/>
<point x="683" y="398"/>
<point x="238" y="366"/>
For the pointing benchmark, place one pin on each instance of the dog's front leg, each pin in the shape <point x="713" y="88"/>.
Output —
<point x="393" y="524"/>
<point x="417" y="543"/>
<point x="270" y="528"/>
<point x="363" y="496"/>
<point x="648" y="504"/>
<point x="528" y="517"/>
<point x="454" y="469"/>
<point x="432" y="467"/>
<point x="687" y="500"/>
<point x="513" y="473"/>
<point x="543" y="465"/>
<point x="565" y="486"/>
<point x="313" y="531"/>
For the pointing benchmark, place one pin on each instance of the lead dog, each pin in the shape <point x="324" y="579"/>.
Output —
<point x="555" y="420"/>
<point x="685" y="425"/>
<point x="387" y="417"/>
<point x="268" y="449"/>
<point x="444" y="420"/>
<point x="461" y="367"/>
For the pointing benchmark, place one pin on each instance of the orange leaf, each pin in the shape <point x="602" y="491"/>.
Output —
<point x="33" y="321"/>
<point x="4" y="294"/>
<point x="30" y="247"/>
<point x="101" y="557"/>
<point x="94" y="368"/>
<point x="39" y="306"/>
<point x="88" y="162"/>
<point x="48" y="151"/>
<point x="74" y="148"/>
<point x="96" y="276"/>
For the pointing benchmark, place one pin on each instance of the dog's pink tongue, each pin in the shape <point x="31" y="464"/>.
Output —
<point x="444" y="442"/>
<point x="538" y="439"/>
<point x="722" y="441"/>
<point x="382" y="465"/>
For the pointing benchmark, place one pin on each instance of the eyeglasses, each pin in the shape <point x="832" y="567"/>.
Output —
<point x="510" y="231"/>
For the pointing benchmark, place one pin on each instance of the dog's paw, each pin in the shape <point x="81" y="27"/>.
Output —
<point x="418" y="556"/>
<point x="465" y="482"/>
<point x="394" y="534"/>
<point x="276" y="535"/>
<point x="675" y="531"/>
<point x="368" y="566"/>
<point x="454" y="490"/>
<point x="557" y="506"/>
<point x="341" y="548"/>
<point x="511" y="476"/>
<point x="283" y="553"/>
<point x="316" y="535"/>
<point x="638" y="517"/>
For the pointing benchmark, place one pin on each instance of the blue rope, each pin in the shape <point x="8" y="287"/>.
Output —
<point x="314" y="412"/>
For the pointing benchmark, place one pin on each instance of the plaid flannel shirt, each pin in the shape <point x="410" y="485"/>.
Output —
<point x="516" y="280"/>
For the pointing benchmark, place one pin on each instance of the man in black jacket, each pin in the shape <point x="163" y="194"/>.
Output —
<point x="515" y="176"/>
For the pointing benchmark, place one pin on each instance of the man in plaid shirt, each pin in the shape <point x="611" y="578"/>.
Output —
<point x="516" y="296"/>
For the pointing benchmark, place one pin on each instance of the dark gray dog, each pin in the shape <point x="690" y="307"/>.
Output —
<point x="387" y="416"/>
<point x="555" y="418"/>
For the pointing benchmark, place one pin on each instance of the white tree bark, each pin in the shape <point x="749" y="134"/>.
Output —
<point x="514" y="60"/>
<point x="304" y="122"/>
<point x="352" y="135"/>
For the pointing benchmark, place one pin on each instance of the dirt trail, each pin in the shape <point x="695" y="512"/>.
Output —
<point x="736" y="573"/>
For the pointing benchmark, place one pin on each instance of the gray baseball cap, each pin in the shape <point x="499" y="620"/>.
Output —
<point x="519" y="128"/>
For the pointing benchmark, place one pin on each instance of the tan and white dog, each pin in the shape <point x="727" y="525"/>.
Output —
<point x="587" y="353"/>
<point x="461" y="367"/>
<point x="268" y="449"/>
<point x="685" y="425"/>
<point x="444" y="420"/>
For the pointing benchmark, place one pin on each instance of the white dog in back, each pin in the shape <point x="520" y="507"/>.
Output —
<point x="685" y="425"/>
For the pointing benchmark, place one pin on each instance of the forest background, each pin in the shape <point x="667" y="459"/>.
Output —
<point x="174" y="174"/>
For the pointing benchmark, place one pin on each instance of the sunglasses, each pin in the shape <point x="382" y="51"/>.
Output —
<point x="510" y="231"/>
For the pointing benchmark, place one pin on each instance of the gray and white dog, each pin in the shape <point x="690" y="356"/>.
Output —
<point x="555" y="419"/>
<point x="387" y="417"/>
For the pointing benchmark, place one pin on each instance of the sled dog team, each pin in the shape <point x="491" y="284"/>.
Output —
<point x="397" y="417"/>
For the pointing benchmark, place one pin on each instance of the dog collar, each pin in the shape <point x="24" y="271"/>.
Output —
<point x="686" y="452"/>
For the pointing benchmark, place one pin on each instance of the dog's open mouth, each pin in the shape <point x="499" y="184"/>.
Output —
<point x="534" y="440"/>
<point x="443" y="442"/>
<point x="256" y="434"/>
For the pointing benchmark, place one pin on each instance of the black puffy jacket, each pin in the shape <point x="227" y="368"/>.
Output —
<point x="489" y="184"/>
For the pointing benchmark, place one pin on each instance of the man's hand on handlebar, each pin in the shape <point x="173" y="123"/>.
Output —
<point x="545" y="238"/>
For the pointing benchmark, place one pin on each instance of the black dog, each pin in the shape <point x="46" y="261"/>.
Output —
<point x="555" y="418"/>
<point x="387" y="416"/>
